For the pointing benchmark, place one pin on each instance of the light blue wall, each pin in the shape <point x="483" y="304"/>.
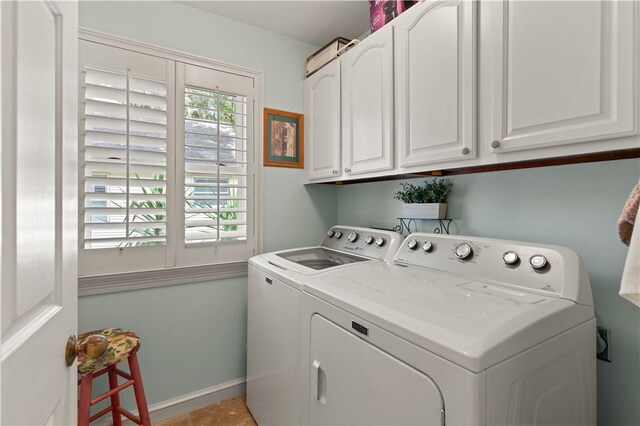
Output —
<point x="576" y="206"/>
<point x="194" y="335"/>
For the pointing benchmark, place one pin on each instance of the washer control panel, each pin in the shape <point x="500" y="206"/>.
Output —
<point x="541" y="268"/>
<point x="373" y="243"/>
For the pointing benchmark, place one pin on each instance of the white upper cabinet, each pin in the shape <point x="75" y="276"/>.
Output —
<point x="562" y="73"/>
<point x="435" y="82"/>
<point x="556" y="78"/>
<point x="322" y="122"/>
<point x="367" y="105"/>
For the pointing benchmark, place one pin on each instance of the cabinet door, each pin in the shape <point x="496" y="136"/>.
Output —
<point x="563" y="72"/>
<point x="273" y="350"/>
<point x="435" y="82"/>
<point x="367" y="104"/>
<point x="355" y="383"/>
<point x="322" y="121"/>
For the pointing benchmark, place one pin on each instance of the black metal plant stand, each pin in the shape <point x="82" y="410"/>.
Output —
<point x="406" y="223"/>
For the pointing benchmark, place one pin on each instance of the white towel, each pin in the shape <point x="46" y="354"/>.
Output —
<point x="630" y="285"/>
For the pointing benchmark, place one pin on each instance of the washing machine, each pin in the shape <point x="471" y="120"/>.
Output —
<point x="275" y="283"/>
<point x="455" y="330"/>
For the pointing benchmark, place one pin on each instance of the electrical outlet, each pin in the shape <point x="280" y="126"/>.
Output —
<point x="603" y="344"/>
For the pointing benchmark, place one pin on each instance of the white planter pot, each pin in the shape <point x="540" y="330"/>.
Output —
<point x="424" y="210"/>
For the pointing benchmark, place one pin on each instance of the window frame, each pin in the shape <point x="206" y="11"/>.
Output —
<point x="171" y="274"/>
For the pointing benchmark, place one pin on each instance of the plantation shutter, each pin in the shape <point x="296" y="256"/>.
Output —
<point x="216" y="163"/>
<point x="167" y="163"/>
<point x="215" y="151"/>
<point x="124" y="133"/>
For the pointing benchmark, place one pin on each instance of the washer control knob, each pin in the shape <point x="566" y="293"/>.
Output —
<point x="352" y="237"/>
<point x="412" y="244"/>
<point x="538" y="261"/>
<point x="369" y="239"/>
<point x="330" y="234"/>
<point x="463" y="251"/>
<point x="427" y="246"/>
<point x="380" y="242"/>
<point x="510" y="257"/>
<point x="338" y="235"/>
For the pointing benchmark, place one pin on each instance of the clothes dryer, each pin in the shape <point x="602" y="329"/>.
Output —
<point x="455" y="330"/>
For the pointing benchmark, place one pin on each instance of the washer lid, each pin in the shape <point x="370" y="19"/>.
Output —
<point x="472" y="323"/>
<point x="307" y="261"/>
<point x="320" y="258"/>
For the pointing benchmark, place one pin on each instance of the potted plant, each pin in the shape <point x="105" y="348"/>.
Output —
<point x="428" y="201"/>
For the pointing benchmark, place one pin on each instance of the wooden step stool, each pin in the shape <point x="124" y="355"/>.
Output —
<point x="120" y="345"/>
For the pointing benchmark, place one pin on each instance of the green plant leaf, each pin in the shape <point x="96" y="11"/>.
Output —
<point x="436" y="191"/>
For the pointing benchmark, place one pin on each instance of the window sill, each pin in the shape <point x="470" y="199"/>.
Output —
<point x="101" y="284"/>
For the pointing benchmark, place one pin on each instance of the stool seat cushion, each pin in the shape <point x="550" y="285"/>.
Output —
<point x="121" y="343"/>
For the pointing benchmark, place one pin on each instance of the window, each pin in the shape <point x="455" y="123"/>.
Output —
<point x="206" y="195"/>
<point x="125" y="159"/>
<point x="215" y="135"/>
<point x="167" y="162"/>
<point x="215" y="166"/>
<point x="98" y="209"/>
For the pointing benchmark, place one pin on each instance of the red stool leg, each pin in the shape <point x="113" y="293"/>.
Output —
<point x="138" y="390"/>
<point x="115" y="398"/>
<point x="84" y="405"/>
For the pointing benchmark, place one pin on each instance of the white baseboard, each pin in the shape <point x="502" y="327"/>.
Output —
<point x="189" y="402"/>
<point x="195" y="400"/>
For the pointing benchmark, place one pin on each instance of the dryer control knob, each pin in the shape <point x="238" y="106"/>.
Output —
<point x="380" y="242"/>
<point x="463" y="251"/>
<point x="352" y="237"/>
<point x="427" y="246"/>
<point x="338" y="235"/>
<point x="330" y="234"/>
<point x="369" y="239"/>
<point x="412" y="244"/>
<point x="510" y="257"/>
<point x="538" y="261"/>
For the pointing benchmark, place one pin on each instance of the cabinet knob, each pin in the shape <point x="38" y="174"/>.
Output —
<point x="495" y="144"/>
<point x="347" y="170"/>
<point x="334" y="171"/>
<point x="465" y="151"/>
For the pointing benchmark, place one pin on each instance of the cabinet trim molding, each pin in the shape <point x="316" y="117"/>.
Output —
<point x="622" y="154"/>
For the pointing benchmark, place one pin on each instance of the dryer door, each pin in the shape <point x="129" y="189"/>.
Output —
<point x="355" y="383"/>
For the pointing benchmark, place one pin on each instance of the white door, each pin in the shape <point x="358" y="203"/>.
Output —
<point x="322" y="122"/>
<point x="367" y="104"/>
<point x="39" y="83"/>
<point x="355" y="383"/>
<point x="436" y="82"/>
<point x="563" y="72"/>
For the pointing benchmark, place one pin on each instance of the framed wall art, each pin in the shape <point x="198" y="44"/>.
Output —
<point x="283" y="139"/>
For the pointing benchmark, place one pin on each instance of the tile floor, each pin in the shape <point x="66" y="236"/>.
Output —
<point x="231" y="412"/>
